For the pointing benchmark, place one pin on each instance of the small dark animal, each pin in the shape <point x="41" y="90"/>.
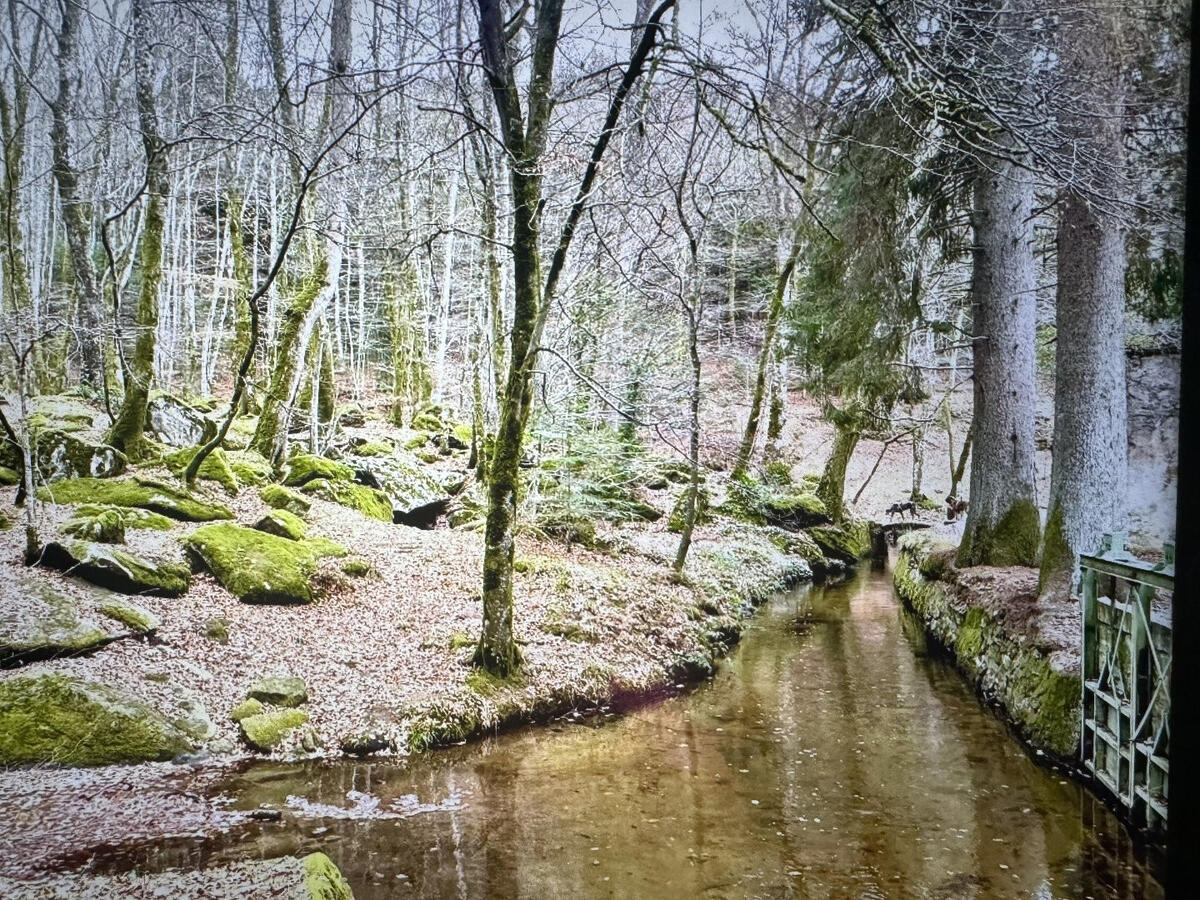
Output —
<point x="954" y="507"/>
<point x="903" y="507"/>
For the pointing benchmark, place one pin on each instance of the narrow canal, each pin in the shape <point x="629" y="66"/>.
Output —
<point x="833" y="756"/>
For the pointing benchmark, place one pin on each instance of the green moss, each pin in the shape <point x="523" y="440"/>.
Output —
<point x="357" y="568"/>
<point x="570" y="631"/>
<point x="217" y="630"/>
<point x="460" y="432"/>
<point x="282" y="523"/>
<point x="267" y="729"/>
<point x="374" y="448"/>
<point x="279" y="690"/>
<point x="1053" y="708"/>
<point x="460" y="639"/>
<point x="487" y="684"/>
<point x="279" y="497"/>
<point x="256" y="567"/>
<point x="970" y="635"/>
<point x="1056" y="552"/>
<point x="214" y="468"/>
<point x="836" y="543"/>
<point x="67" y="721"/>
<point x="247" y="708"/>
<point x="778" y="472"/>
<point x="303" y="468"/>
<point x="416" y="442"/>
<point x="569" y="528"/>
<point x="250" y="467"/>
<point x="131" y="616"/>
<point x="8" y="476"/>
<point x="144" y="493"/>
<point x="107" y="527"/>
<point x="1013" y="541"/>
<point x="323" y="880"/>
<point x="131" y="517"/>
<point x="366" y="500"/>
<point x="119" y="569"/>
<point x="322" y="546"/>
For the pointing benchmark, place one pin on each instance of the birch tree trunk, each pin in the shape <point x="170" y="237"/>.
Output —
<point x="1003" y="527"/>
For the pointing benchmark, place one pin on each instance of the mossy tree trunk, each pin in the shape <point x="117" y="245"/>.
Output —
<point x="524" y="133"/>
<point x="1003" y="528"/>
<point x="775" y="416"/>
<point x="243" y="276"/>
<point x="918" y="464"/>
<point x="1088" y="467"/>
<point x="693" y="488"/>
<point x="831" y="489"/>
<point x="76" y="213"/>
<point x="127" y="432"/>
<point x="774" y="311"/>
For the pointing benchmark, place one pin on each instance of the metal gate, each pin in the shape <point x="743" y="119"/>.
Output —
<point x="1126" y="676"/>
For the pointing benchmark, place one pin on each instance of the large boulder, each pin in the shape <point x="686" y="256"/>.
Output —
<point x="106" y="526"/>
<point x="416" y="498"/>
<point x="279" y="497"/>
<point x="215" y="467"/>
<point x="118" y="568"/>
<point x="848" y="544"/>
<point x="282" y="523"/>
<point x="67" y="721"/>
<point x="366" y="500"/>
<point x="145" y="493"/>
<point x="302" y="468"/>
<point x="177" y="424"/>
<point x="131" y="518"/>
<point x="279" y="690"/>
<point x="40" y="620"/>
<point x="257" y="567"/>
<point x="64" y="454"/>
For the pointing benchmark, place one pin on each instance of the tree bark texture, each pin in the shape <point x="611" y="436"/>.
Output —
<point x="1003" y="527"/>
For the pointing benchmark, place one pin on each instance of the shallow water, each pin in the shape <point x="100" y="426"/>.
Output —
<point x="832" y="756"/>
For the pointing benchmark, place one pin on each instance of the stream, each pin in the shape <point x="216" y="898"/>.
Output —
<point x="834" y="755"/>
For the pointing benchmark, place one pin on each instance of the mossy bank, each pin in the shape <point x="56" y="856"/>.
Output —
<point x="1019" y="655"/>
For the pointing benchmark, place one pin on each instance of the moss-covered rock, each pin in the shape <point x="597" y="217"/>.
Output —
<point x="136" y="618"/>
<point x="38" y="620"/>
<point x="250" y="467"/>
<point x="279" y="497"/>
<point x="678" y="512"/>
<point x="178" y="424"/>
<point x="132" y="518"/>
<point x="323" y="880"/>
<point x="302" y="468"/>
<point x="118" y="569"/>
<point x="8" y="476"/>
<point x="415" y="497"/>
<point x="279" y="690"/>
<point x="374" y="448"/>
<point x="63" y="454"/>
<point x="66" y="721"/>
<point x="842" y="544"/>
<point x="267" y="729"/>
<point x="106" y="526"/>
<point x="282" y="523"/>
<point x="257" y="567"/>
<point x="759" y="503"/>
<point x="214" y="468"/>
<point x="366" y="500"/>
<point x="247" y="708"/>
<point x="145" y="493"/>
<point x="357" y="568"/>
<point x="571" y="529"/>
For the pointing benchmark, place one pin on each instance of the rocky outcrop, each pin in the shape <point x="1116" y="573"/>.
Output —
<point x="260" y="568"/>
<point x="119" y="569"/>
<point x="415" y="498"/>
<point x="67" y="721"/>
<point x="302" y="468"/>
<point x="177" y="424"/>
<point x="359" y="497"/>
<point x="40" y="620"/>
<point x="64" y="454"/>
<point x="144" y="493"/>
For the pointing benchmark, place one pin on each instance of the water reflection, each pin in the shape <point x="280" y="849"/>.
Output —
<point x="834" y="756"/>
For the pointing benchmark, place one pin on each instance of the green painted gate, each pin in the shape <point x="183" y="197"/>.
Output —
<point x="1126" y="677"/>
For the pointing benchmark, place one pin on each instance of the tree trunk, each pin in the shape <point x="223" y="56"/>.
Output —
<point x="127" y="433"/>
<point x="689" y="518"/>
<point x="774" y="310"/>
<point x="918" y="465"/>
<point x="1002" y="526"/>
<point x="831" y="489"/>
<point x="76" y="213"/>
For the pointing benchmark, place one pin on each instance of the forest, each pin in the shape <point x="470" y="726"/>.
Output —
<point x="382" y="377"/>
